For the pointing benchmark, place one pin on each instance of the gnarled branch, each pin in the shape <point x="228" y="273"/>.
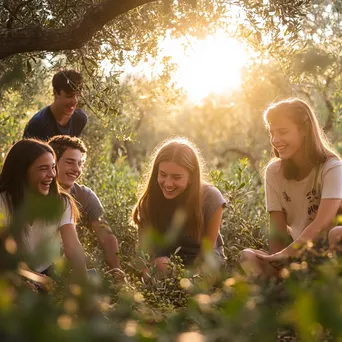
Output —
<point x="38" y="38"/>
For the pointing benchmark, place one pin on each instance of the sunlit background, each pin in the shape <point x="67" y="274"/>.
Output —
<point x="203" y="66"/>
<point x="207" y="73"/>
<point x="209" y="66"/>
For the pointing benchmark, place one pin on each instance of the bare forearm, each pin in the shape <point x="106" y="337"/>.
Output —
<point x="111" y="250"/>
<point x="278" y="239"/>
<point x="276" y="246"/>
<point x="77" y="260"/>
<point x="310" y="233"/>
<point x="108" y="242"/>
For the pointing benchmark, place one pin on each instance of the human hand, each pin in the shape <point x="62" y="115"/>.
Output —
<point x="36" y="280"/>
<point x="260" y="252"/>
<point x="271" y="257"/>
<point x="277" y="260"/>
<point x="118" y="274"/>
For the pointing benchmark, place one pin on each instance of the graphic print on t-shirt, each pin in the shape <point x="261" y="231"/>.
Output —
<point x="286" y="197"/>
<point x="312" y="197"/>
<point x="300" y="200"/>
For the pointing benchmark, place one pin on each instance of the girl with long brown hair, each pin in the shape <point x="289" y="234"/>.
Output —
<point x="178" y="206"/>
<point x="35" y="211"/>
<point x="303" y="185"/>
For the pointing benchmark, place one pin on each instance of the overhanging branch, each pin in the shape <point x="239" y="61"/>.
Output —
<point x="37" y="38"/>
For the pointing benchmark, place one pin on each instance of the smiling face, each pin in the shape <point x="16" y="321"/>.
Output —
<point x="69" y="167"/>
<point x="65" y="102"/>
<point x="173" y="179"/>
<point x="41" y="173"/>
<point x="287" y="139"/>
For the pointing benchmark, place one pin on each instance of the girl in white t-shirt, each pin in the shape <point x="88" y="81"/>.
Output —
<point x="34" y="211"/>
<point x="303" y="186"/>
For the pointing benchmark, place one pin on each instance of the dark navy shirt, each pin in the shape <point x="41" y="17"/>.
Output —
<point x="43" y="125"/>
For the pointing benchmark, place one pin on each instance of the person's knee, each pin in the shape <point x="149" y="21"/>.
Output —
<point x="335" y="235"/>
<point x="246" y="255"/>
<point x="250" y="263"/>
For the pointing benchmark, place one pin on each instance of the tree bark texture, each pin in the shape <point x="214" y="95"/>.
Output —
<point x="37" y="38"/>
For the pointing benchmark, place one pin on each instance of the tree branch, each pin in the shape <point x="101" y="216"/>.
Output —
<point x="243" y="153"/>
<point x="38" y="38"/>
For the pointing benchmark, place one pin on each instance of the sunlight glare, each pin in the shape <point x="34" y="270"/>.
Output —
<point x="209" y="66"/>
<point x="203" y="66"/>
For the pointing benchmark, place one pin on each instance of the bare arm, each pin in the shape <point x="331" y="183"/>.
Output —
<point x="145" y="237"/>
<point x="73" y="250"/>
<point x="323" y="222"/>
<point x="278" y="232"/>
<point x="213" y="228"/>
<point x="108" y="241"/>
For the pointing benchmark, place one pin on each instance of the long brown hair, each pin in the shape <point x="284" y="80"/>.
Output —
<point x="317" y="147"/>
<point x="13" y="177"/>
<point x="182" y="152"/>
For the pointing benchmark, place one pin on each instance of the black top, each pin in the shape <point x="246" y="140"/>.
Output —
<point x="190" y="249"/>
<point x="43" y="125"/>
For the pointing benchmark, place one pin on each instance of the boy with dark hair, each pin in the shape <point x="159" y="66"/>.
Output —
<point x="70" y="153"/>
<point x="61" y="117"/>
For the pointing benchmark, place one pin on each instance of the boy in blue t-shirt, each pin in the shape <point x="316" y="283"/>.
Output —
<point x="61" y="117"/>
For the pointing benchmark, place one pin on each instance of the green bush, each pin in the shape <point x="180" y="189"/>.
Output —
<point x="305" y="305"/>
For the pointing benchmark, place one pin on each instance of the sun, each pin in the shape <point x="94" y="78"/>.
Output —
<point x="209" y="66"/>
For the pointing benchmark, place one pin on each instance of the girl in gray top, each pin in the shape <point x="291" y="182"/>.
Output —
<point x="178" y="207"/>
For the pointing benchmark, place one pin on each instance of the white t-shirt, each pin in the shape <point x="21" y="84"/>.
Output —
<point x="41" y="239"/>
<point x="299" y="200"/>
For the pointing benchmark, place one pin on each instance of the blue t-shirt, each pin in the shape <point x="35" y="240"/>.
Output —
<point x="44" y="126"/>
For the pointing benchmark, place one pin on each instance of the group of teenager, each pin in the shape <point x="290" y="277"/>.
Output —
<point x="303" y="185"/>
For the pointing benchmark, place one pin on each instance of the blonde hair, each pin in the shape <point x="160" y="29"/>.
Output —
<point x="317" y="147"/>
<point x="182" y="152"/>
